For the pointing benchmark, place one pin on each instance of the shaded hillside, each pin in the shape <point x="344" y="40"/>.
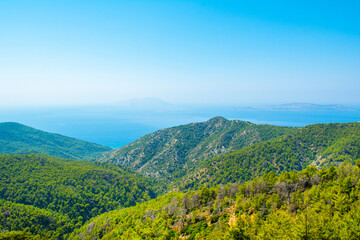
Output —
<point x="77" y="190"/>
<point x="41" y="223"/>
<point x="16" y="138"/>
<point x="311" y="204"/>
<point x="317" y="145"/>
<point x="170" y="153"/>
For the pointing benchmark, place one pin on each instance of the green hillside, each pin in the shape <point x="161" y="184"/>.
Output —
<point x="38" y="222"/>
<point x="310" y="204"/>
<point x="293" y="189"/>
<point x="170" y="153"/>
<point x="16" y="138"/>
<point x="317" y="145"/>
<point x="76" y="190"/>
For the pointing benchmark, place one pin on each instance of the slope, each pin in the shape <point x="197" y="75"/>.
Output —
<point x="16" y="138"/>
<point x="78" y="190"/>
<point x="169" y="153"/>
<point x="40" y="222"/>
<point x="317" y="145"/>
<point x="311" y="204"/>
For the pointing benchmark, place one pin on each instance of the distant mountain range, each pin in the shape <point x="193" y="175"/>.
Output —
<point x="151" y="103"/>
<point x="16" y="138"/>
<point x="305" y="107"/>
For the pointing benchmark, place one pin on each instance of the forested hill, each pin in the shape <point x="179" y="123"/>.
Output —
<point x="49" y="196"/>
<point x="295" y="192"/>
<point x="317" y="145"/>
<point x="311" y="204"/>
<point x="173" y="151"/>
<point x="16" y="138"/>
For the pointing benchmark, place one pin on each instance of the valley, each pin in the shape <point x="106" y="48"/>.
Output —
<point x="223" y="179"/>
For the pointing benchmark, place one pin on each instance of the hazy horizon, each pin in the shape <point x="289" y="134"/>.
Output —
<point x="119" y="124"/>
<point x="83" y="68"/>
<point x="154" y="102"/>
<point x="71" y="53"/>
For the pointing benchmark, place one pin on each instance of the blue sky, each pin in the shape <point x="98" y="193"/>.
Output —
<point x="194" y="52"/>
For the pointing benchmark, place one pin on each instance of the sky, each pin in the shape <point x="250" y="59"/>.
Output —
<point x="61" y="53"/>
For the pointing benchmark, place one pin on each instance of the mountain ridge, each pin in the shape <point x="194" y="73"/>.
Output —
<point x="319" y="145"/>
<point x="16" y="138"/>
<point x="175" y="150"/>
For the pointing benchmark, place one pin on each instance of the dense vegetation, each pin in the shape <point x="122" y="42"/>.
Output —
<point x="317" y="145"/>
<point x="42" y="223"/>
<point x="170" y="153"/>
<point x="76" y="190"/>
<point x="16" y="138"/>
<point x="310" y="204"/>
<point x="302" y="183"/>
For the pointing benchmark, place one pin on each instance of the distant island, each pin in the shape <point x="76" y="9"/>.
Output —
<point x="301" y="107"/>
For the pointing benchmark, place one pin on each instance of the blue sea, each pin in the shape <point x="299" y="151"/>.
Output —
<point x="117" y="126"/>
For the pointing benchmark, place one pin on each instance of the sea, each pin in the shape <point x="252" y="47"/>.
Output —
<point x="116" y="126"/>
